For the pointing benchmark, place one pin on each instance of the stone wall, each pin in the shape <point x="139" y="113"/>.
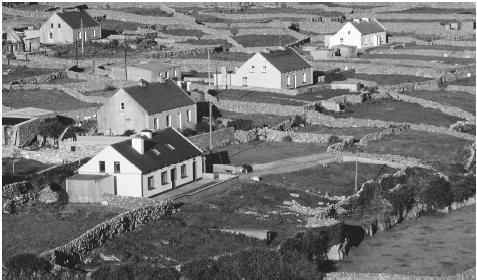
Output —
<point x="371" y="137"/>
<point x="468" y="89"/>
<point x="220" y="138"/>
<point x="128" y="202"/>
<point x="41" y="79"/>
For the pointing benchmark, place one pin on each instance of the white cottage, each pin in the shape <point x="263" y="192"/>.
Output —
<point x="144" y="166"/>
<point x="360" y="33"/>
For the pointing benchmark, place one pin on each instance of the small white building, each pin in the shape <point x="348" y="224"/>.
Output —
<point x="146" y="165"/>
<point x="361" y="33"/>
<point x="279" y="69"/>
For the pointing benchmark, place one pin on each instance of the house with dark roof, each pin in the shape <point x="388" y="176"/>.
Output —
<point x="65" y="27"/>
<point x="147" y="106"/>
<point x="361" y="33"/>
<point x="280" y="69"/>
<point x="145" y="165"/>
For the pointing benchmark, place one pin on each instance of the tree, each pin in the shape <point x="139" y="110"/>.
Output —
<point x="436" y="192"/>
<point x="52" y="128"/>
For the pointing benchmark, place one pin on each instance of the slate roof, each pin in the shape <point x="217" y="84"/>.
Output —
<point x="370" y="27"/>
<point x="286" y="60"/>
<point x="158" y="97"/>
<point x="73" y="19"/>
<point x="150" y="161"/>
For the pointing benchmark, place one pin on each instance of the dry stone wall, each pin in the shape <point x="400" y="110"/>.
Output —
<point x="468" y="89"/>
<point x="220" y="138"/>
<point x="438" y="53"/>
<point x="272" y="135"/>
<point x="371" y="137"/>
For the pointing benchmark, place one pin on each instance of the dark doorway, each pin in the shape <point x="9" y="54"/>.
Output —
<point x="194" y="173"/>
<point x="173" y="177"/>
<point x="115" y="186"/>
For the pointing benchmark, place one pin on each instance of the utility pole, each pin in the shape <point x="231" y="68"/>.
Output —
<point x="76" y="52"/>
<point x="208" y="65"/>
<point x="356" y="172"/>
<point x="210" y="103"/>
<point x="125" y="56"/>
<point x="280" y="32"/>
<point x="82" y="38"/>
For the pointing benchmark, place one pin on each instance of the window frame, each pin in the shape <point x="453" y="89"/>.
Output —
<point x="189" y="115"/>
<point x="59" y="25"/>
<point x="102" y="163"/>
<point x="264" y="69"/>
<point x="164" y="178"/>
<point x="122" y="106"/>
<point x="94" y="33"/>
<point x="183" y="171"/>
<point x="168" y="121"/>
<point x="51" y="35"/>
<point x="117" y="167"/>
<point x="155" y="123"/>
<point x="288" y="80"/>
<point x="304" y="77"/>
<point x="52" y="26"/>
<point x="150" y="183"/>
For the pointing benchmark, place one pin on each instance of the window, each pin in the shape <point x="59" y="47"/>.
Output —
<point x="117" y="167"/>
<point x="253" y="69"/>
<point x="167" y="75"/>
<point x="59" y="26"/>
<point x="79" y="35"/>
<point x="122" y="106"/>
<point x="94" y="32"/>
<point x="150" y="183"/>
<point x="164" y="178"/>
<point x="189" y="115"/>
<point x="102" y="166"/>
<point x="156" y="123"/>
<point x="264" y="69"/>
<point x="365" y="40"/>
<point x="341" y="40"/>
<point x="52" y="25"/>
<point x="51" y="35"/>
<point x="170" y="147"/>
<point x="183" y="171"/>
<point x="175" y="72"/>
<point x="349" y="32"/>
<point x="288" y="80"/>
<point x="168" y="121"/>
<point x="304" y="77"/>
<point x="179" y="119"/>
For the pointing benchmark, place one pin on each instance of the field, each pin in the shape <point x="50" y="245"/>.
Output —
<point x="398" y="111"/>
<point x="184" y="32"/>
<point x="429" y="10"/>
<point x="357" y="132"/>
<point x="422" y="145"/>
<point x="441" y="47"/>
<point x="117" y="25"/>
<point x="208" y="42"/>
<point x="38" y="229"/>
<point x="461" y="100"/>
<point x="465" y="82"/>
<point x="432" y="59"/>
<point x="45" y="99"/>
<point x="21" y="72"/>
<point x="337" y="179"/>
<point x="23" y="166"/>
<point x="145" y="11"/>
<point x="222" y="56"/>
<point x="257" y="120"/>
<point x="33" y="7"/>
<point x="389" y="79"/>
<point x="261" y="152"/>
<point x="431" y="245"/>
<point x="253" y="40"/>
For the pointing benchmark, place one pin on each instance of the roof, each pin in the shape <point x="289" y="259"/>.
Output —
<point x="286" y="60"/>
<point x="73" y="19"/>
<point x="88" y="177"/>
<point x="368" y="27"/>
<point x="159" y="97"/>
<point x="13" y="121"/>
<point x="28" y="112"/>
<point x="154" y="66"/>
<point x="182" y="150"/>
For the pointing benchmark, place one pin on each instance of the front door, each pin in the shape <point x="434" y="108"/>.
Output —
<point x="193" y="171"/>
<point x="173" y="177"/>
<point x="244" y="81"/>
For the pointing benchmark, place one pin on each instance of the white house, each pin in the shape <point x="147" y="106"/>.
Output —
<point x="144" y="166"/>
<point x="361" y="33"/>
<point x="280" y="69"/>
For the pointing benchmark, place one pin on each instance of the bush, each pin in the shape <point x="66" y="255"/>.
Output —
<point x="333" y="140"/>
<point x="129" y="132"/>
<point x="112" y="44"/>
<point x="436" y="192"/>
<point x="312" y="243"/>
<point x="402" y="199"/>
<point x="287" y="138"/>
<point x="241" y="124"/>
<point x="188" y="132"/>
<point x="462" y="187"/>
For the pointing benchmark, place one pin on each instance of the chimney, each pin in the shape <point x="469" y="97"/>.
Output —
<point x="365" y="19"/>
<point x="146" y="133"/>
<point x="357" y="20"/>
<point x="142" y="83"/>
<point x="137" y="143"/>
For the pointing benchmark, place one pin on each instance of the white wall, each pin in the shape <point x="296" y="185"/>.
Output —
<point x="352" y="39"/>
<point x="269" y="79"/>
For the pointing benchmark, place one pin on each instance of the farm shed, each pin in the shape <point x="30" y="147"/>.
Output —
<point x="322" y="54"/>
<point x="346" y="51"/>
<point x="152" y="72"/>
<point x="85" y="188"/>
<point x="351" y="85"/>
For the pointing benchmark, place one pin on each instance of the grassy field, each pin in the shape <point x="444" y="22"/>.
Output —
<point x="461" y="100"/>
<point x="318" y="12"/>
<point x="172" y="238"/>
<point x="390" y="79"/>
<point x="145" y="11"/>
<point x="357" y="132"/>
<point x="260" y="152"/>
<point x="431" y="246"/>
<point x="33" y="7"/>
<point x="259" y="97"/>
<point x="446" y="60"/>
<point x="21" y="72"/>
<point x="258" y="120"/>
<point x="440" y="47"/>
<point x="263" y="40"/>
<point x="117" y="25"/>
<point x="398" y="111"/>
<point x="23" y="166"/>
<point x="429" y="10"/>
<point x="184" y="32"/>
<point x="46" y="99"/>
<point x="208" y="42"/>
<point x="465" y="82"/>
<point x="38" y="229"/>
<point x="337" y="179"/>
<point x="422" y="145"/>
<point x="222" y="56"/>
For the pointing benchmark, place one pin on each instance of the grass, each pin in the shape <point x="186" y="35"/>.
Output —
<point x="222" y="56"/>
<point x="145" y="11"/>
<point x="258" y="120"/>
<point x="258" y="97"/>
<point x="357" y="132"/>
<point x="422" y="145"/>
<point x="23" y="166"/>
<point x="337" y="179"/>
<point x="431" y="246"/>
<point x="46" y="99"/>
<point x="390" y="79"/>
<point x="255" y="40"/>
<point x="118" y="25"/>
<point x="208" y="42"/>
<point x="184" y="32"/>
<point x="440" y="47"/>
<point x="288" y="10"/>
<point x="465" y="82"/>
<point x="446" y="60"/>
<point x="398" y="111"/>
<point x="33" y="7"/>
<point x="461" y="100"/>
<point x="429" y="10"/>
<point x="37" y="230"/>
<point x="21" y="72"/>
<point x="173" y="238"/>
<point x="261" y="152"/>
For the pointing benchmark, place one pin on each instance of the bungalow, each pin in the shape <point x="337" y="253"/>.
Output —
<point x="144" y="166"/>
<point x="69" y="26"/>
<point x="360" y="33"/>
<point x="150" y="72"/>
<point x="279" y="69"/>
<point x="147" y="106"/>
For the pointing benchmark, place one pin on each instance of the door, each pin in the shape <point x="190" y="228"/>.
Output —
<point x="244" y="81"/>
<point x="115" y="186"/>
<point x="173" y="177"/>
<point x="194" y="175"/>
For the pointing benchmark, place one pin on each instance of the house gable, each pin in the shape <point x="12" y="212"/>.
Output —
<point x="109" y="155"/>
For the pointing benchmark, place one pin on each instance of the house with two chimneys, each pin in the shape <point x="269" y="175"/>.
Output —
<point x="278" y="69"/>
<point x="361" y="33"/>
<point x="65" y="27"/>
<point x="145" y="165"/>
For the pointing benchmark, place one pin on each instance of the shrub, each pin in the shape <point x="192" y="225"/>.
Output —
<point x="314" y="244"/>
<point x="462" y="187"/>
<point x="202" y="127"/>
<point x="402" y="198"/>
<point x="112" y="44"/>
<point x="333" y="140"/>
<point x="241" y="124"/>
<point x="188" y="132"/>
<point x="436" y="192"/>
<point x="287" y="138"/>
<point x="129" y="132"/>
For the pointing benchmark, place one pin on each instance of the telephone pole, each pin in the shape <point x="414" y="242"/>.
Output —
<point x="356" y="172"/>
<point x="125" y="57"/>
<point x="210" y="103"/>
<point x="280" y="32"/>
<point x="82" y="38"/>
